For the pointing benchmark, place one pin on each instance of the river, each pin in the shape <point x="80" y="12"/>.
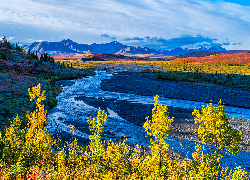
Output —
<point x="71" y="110"/>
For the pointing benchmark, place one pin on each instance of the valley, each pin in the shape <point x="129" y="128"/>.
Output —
<point x="127" y="97"/>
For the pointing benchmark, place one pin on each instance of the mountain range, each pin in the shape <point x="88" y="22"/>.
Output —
<point x="114" y="47"/>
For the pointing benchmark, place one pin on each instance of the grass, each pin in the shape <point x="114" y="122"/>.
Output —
<point x="232" y="80"/>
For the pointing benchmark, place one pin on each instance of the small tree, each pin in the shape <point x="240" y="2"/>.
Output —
<point x="5" y="40"/>
<point x="214" y="128"/>
<point x="159" y="128"/>
<point x="96" y="126"/>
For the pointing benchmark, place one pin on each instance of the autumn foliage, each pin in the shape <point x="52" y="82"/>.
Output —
<point x="28" y="151"/>
<point x="233" y="59"/>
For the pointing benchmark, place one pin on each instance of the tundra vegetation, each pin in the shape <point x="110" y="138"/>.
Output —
<point x="224" y="69"/>
<point x="28" y="151"/>
<point x="20" y="70"/>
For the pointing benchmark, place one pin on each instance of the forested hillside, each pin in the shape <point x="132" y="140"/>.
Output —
<point x="20" y="70"/>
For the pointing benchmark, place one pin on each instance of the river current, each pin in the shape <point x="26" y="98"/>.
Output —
<point x="72" y="111"/>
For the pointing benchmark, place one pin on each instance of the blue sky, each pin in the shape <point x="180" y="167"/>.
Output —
<point x="160" y="24"/>
<point x="241" y="2"/>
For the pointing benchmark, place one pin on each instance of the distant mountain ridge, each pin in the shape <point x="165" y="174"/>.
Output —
<point x="114" y="47"/>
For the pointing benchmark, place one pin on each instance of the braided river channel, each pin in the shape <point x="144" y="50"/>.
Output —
<point x="74" y="108"/>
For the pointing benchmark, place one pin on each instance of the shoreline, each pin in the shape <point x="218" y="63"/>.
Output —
<point x="147" y="85"/>
<point x="183" y="125"/>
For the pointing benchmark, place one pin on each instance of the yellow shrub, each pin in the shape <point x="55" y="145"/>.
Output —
<point x="214" y="127"/>
<point x="26" y="152"/>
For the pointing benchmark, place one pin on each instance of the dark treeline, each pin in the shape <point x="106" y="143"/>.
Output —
<point x="43" y="58"/>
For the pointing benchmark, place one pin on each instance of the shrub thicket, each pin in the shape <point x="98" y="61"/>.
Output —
<point x="28" y="151"/>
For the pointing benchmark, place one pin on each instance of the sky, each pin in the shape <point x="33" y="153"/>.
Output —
<point x="159" y="24"/>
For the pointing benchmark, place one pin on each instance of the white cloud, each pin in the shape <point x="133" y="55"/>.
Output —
<point x="11" y="38"/>
<point x="85" y="21"/>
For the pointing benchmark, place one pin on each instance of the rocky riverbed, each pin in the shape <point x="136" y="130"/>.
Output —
<point x="81" y="98"/>
<point x="132" y="81"/>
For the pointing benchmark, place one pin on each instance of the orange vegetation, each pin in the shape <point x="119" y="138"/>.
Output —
<point x="110" y="57"/>
<point x="233" y="59"/>
<point x="70" y="57"/>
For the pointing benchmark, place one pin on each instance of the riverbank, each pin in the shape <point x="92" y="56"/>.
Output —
<point x="183" y="125"/>
<point x="147" y="84"/>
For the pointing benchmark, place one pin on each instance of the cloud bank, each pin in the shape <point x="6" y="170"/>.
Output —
<point x="166" y="23"/>
<point x="185" y="41"/>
